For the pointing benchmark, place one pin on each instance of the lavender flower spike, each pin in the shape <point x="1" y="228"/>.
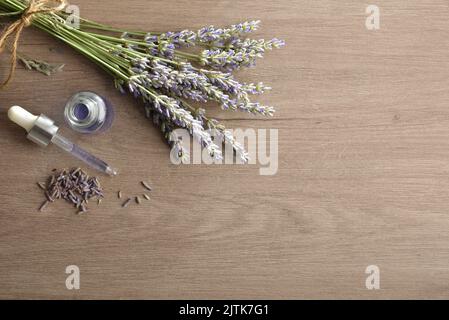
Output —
<point x="183" y="38"/>
<point x="211" y="34"/>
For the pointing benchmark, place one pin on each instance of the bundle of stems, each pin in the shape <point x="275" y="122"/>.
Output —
<point x="166" y="74"/>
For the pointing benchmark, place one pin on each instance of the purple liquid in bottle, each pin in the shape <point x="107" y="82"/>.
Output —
<point x="88" y="112"/>
<point x="81" y="111"/>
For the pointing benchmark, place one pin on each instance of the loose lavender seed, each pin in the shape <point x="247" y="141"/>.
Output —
<point x="126" y="203"/>
<point x="49" y="198"/>
<point x="74" y="186"/>
<point x="43" y="206"/>
<point x="41" y="185"/>
<point x="83" y="209"/>
<point x="146" y="185"/>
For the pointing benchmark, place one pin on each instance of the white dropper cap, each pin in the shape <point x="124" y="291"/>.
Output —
<point x="22" y="117"/>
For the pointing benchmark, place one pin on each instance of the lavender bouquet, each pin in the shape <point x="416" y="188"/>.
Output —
<point x="163" y="69"/>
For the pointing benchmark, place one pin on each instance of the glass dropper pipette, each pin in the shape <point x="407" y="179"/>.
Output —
<point x="42" y="130"/>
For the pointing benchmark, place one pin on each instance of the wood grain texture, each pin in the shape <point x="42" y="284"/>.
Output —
<point x="363" y="122"/>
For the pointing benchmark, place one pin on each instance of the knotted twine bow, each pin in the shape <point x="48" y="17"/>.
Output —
<point x="15" y="28"/>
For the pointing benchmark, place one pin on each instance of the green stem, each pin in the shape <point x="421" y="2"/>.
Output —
<point x="8" y="14"/>
<point x="77" y="43"/>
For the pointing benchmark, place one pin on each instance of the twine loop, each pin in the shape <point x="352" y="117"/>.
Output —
<point x="15" y="28"/>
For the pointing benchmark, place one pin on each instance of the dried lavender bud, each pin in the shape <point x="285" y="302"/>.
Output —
<point x="119" y="194"/>
<point x="137" y="200"/>
<point x="74" y="186"/>
<point x="41" y="185"/>
<point x="146" y="196"/>
<point x="146" y="185"/>
<point x="43" y="206"/>
<point x="126" y="203"/>
<point x="82" y="209"/>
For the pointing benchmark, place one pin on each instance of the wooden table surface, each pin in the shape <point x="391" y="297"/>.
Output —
<point x="363" y="120"/>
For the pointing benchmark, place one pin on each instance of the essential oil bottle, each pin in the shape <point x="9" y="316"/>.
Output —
<point x="87" y="112"/>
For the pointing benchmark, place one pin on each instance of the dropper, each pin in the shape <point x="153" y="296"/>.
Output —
<point x="42" y="130"/>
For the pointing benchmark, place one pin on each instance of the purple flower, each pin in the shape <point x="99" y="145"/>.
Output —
<point x="211" y="34"/>
<point x="183" y="38"/>
<point x="228" y="60"/>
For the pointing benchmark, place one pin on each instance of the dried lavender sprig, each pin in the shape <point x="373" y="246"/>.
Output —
<point x="240" y="54"/>
<point x="186" y="85"/>
<point x="205" y="35"/>
<point x="210" y="34"/>
<point x="198" y="96"/>
<point x="221" y="132"/>
<point x="40" y="65"/>
<point x="199" y="85"/>
<point x="221" y="86"/>
<point x="168" y="130"/>
<point x="226" y="81"/>
<point x="174" y="78"/>
<point x="259" y="46"/>
<point x="228" y="57"/>
<point x="186" y="120"/>
<point x="229" y="139"/>
<point x="230" y="50"/>
<point x="212" y="124"/>
<point x="255" y="88"/>
<point x="171" y="109"/>
<point x="185" y="38"/>
<point x="228" y="84"/>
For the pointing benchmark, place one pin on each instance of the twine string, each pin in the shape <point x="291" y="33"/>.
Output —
<point x="15" y="28"/>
